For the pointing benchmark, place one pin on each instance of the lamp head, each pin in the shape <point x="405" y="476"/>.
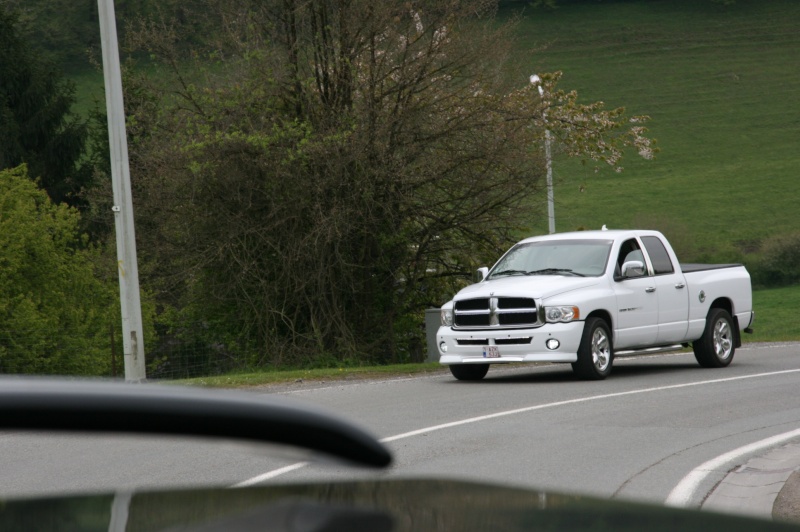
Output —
<point x="536" y="80"/>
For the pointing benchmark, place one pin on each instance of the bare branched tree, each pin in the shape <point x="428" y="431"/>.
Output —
<point x="336" y="167"/>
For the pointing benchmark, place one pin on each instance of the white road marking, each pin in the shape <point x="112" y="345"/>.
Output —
<point x="281" y="471"/>
<point x="681" y="495"/>
<point x="270" y="474"/>
<point x="576" y="401"/>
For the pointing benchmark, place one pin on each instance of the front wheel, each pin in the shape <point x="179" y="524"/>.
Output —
<point x="469" y="372"/>
<point x="715" y="349"/>
<point x="596" y="351"/>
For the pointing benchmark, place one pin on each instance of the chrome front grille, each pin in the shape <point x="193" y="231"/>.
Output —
<point x="496" y="312"/>
<point x="498" y="341"/>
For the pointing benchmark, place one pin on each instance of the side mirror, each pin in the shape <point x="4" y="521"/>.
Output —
<point x="481" y="273"/>
<point x="634" y="268"/>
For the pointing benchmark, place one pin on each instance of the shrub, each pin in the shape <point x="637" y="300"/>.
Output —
<point x="55" y="313"/>
<point x="780" y="261"/>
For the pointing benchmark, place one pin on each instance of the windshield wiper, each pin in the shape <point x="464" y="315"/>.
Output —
<point x="510" y="272"/>
<point x="549" y="271"/>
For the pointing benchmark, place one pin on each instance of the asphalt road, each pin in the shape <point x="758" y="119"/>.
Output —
<point x="636" y="435"/>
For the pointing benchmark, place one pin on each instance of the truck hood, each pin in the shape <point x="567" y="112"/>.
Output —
<point x="538" y="286"/>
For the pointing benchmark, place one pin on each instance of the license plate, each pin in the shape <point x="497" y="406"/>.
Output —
<point x="491" y="351"/>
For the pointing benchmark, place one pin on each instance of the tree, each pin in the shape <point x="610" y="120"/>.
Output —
<point x="55" y="312"/>
<point x="342" y="167"/>
<point x="61" y="30"/>
<point x="36" y="125"/>
<point x="68" y="31"/>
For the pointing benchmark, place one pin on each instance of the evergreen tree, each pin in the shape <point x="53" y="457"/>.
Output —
<point x="36" y="125"/>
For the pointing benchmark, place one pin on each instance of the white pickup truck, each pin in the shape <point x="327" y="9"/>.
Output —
<point x="588" y="296"/>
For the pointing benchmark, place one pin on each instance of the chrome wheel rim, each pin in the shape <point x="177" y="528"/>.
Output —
<point x="601" y="350"/>
<point x="723" y="341"/>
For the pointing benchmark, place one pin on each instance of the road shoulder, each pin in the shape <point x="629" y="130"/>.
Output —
<point x="767" y="486"/>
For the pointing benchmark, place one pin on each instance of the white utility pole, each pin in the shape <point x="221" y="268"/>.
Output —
<point x="551" y="212"/>
<point x="132" y="339"/>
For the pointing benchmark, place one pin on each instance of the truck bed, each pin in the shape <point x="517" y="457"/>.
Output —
<point x="691" y="267"/>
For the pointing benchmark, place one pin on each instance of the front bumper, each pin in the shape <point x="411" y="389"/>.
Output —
<point x="498" y="346"/>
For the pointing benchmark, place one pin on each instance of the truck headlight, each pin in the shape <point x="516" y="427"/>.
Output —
<point x="447" y="317"/>
<point x="561" y="314"/>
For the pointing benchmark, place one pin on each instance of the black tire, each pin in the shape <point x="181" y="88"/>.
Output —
<point x="596" y="351"/>
<point x="469" y="372"/>
<point x="715" y="349"/>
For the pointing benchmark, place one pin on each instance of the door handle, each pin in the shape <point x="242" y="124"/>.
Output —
<point x="650" y="289"/>
<point x="680" y="285"/>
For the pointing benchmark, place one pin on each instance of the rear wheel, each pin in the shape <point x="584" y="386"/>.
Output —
<point x="469" y="372"/>
<point x="715" y="349"/>
<point x="596" y="352"/>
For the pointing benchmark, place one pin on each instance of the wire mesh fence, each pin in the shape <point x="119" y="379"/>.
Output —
<point x="167" y="356"/>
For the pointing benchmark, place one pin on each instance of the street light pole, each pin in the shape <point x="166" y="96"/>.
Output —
<point x="551" y="212"/>
<point x="128" y="269"/>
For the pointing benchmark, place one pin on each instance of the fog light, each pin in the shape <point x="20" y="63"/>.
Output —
<point x="552" y="344"/>
<point x="443" y="347"/>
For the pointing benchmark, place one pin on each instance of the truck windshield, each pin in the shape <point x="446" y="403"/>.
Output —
<point x="585" y="258"/>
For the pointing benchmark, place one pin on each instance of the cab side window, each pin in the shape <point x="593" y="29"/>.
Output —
<point x="629" y="251"/>
<point x="658" y="255"/>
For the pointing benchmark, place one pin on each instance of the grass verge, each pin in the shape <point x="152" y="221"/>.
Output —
<point x="266" y="377"/>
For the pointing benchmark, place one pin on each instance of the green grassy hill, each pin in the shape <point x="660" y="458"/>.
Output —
<point x="720" y="85"/>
